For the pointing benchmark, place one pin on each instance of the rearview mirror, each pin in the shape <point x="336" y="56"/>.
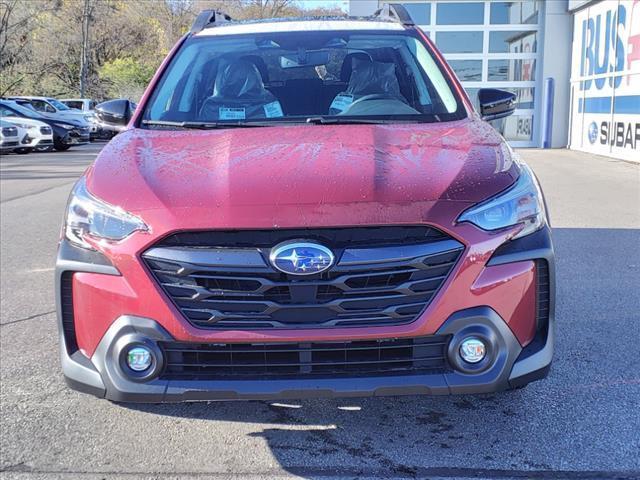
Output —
<point x="496" y="103"/>
<point x="305" y="59"/>
<point x="115" y="112"/>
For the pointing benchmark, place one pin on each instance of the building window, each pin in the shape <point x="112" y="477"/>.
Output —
<point x="514" y="13"/>
<point x="511" y="70"/>
<point x="467" y="70"/>
<point x="455" y="13"/>
<point x="459" y="42"/>
<point x="420" y="13"/>
<point x="489" y="44"/>
<point x="513" y="42"/>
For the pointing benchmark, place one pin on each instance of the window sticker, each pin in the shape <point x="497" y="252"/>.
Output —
<point x="341" y="102"/>
<point x="273" y="110"/>
<point x="231" y="113"/>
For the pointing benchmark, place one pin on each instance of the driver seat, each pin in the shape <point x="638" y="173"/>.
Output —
<point x="367" y="78"/>
<point x="239" y="94"/>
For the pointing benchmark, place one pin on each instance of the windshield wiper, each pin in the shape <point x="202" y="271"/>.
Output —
<point x="338" y="120"/>
<point x="364" y="120"/>
<point x="205" y="125"/>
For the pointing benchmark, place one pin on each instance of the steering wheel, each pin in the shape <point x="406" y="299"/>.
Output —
<point x="374" y="96"/>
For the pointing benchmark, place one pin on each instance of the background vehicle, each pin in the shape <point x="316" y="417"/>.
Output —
<point x="66" y="133"/>
<point x="10" y="136"/>
<point x="50" y="107"/>
<point x="39" y="135"/>
<point x="87" y="106"/>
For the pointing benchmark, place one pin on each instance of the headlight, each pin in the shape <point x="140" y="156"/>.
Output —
<point x="521" y="204"/>
<point x="65" y="126"/>
<point x="90" y="118"/>
<point x="89" y="217"/>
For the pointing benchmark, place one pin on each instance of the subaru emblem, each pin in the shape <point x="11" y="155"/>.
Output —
<point x="301" y="258"/>
<point x="593" y="132"/>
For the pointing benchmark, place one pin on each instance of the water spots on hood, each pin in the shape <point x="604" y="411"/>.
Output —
<point x="303" y="166"/>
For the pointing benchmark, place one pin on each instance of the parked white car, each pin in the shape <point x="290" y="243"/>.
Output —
<point x="84" y="104"/>
<point x="39" y="135"/>
<point x="10" y="136"/>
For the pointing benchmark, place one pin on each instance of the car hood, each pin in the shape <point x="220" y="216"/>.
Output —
<point x="302" y="175"/>
<point x="26" y="121"/>
<point x="77" y="118"/>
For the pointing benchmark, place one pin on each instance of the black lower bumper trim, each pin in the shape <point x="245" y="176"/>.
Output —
<point x="106" y="379"/>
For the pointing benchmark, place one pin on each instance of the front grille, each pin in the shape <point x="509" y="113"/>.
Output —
<point x="189" y="361"/>
<point x="382" y="276"/>
<point x="10" y="131"/>
<point x="10" y="144"/>
<point x="542" y="293"/>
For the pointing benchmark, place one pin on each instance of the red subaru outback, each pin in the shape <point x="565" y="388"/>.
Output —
<point x="305" y="208"/>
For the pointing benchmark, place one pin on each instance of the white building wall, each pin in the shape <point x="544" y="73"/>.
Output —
<point x="605" y="79"/>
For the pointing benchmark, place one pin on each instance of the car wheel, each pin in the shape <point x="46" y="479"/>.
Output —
<point x="61" y="147"/>
<point x="23" y="150"/>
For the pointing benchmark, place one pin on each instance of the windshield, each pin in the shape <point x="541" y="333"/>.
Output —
<point x="303" y="76"/>
<point x="57" y="104"/>
<point x="22" y="110"/>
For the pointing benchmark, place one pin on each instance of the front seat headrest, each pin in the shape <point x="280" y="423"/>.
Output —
<point x="373" y="77"/>
<point x="347" y="64"/>
<point x="239" y="79"/>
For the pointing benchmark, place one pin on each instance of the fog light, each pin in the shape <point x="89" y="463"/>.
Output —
<point x="139" y="359"/>
<point x="473" y="350"/>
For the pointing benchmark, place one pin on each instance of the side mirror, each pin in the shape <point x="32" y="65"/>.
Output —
<point x="496" y="103"/>
<point x="115" y="112"/>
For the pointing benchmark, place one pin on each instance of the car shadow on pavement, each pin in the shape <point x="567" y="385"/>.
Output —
<point x="546" y="427"/>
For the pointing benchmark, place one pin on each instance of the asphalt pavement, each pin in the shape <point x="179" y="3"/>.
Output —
<point x="582" y="422"/>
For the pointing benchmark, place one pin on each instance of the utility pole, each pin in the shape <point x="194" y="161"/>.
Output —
<point x="84" y="59"/>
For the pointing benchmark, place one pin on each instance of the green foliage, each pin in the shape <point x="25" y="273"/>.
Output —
<point x="126" y="77"/>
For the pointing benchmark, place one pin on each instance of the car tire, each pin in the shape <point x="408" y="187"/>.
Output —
<point x="23" y="150"/>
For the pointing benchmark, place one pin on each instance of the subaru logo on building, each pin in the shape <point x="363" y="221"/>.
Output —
<point x="593" y="132"/>
<point x="301" y="258"/>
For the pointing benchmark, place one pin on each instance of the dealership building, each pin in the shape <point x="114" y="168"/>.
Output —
<point x="573" y="64"/>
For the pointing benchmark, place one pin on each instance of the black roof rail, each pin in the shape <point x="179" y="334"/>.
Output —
<point x="208" y="18"/>
<point x="395" y="12"/>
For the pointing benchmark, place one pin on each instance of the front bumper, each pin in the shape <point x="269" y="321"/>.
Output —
<point x="9" y="145"/>
<point x="101" y="374"/>
<point x="37" y="141"/>
<point x="76" y="137"/>
<point x="513" y="366"/>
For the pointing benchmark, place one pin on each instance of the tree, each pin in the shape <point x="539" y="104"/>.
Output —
<point x="126" y="77"/>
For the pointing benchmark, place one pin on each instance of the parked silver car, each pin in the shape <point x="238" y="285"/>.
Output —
<point x="50" y="107"/>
